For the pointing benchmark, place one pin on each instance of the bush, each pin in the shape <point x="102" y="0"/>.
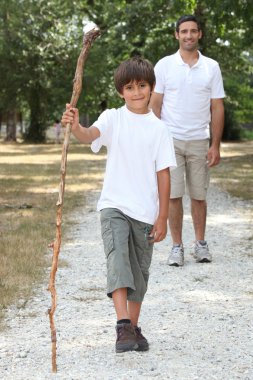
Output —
<point x="232" y="130"/>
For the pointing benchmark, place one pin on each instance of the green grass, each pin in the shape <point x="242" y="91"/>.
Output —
<point x="247" y="134"/>
<point x="30" y="176"/>
<point x="235" y="172"/>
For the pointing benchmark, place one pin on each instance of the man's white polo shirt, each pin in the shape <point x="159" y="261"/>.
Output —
<point x="187" y="94"/>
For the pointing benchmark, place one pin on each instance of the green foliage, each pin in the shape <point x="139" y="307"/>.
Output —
<point x="33" y="53"/>
<point x="40" y="42"/>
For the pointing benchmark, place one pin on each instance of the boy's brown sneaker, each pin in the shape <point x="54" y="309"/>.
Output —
<point x="141" y="340"/>
<point x="126" y="338"/>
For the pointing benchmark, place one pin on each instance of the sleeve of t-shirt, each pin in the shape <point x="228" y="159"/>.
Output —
<point x="217" y="90"/>
<point x="165" y="154"/>
<point x="160" y="79"/>
<point x="105" y="126"/>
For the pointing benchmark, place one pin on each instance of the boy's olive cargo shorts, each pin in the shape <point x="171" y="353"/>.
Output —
<point x="128" y="251"/>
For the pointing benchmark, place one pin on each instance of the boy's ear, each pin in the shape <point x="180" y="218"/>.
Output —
<point x="120" y="95"/>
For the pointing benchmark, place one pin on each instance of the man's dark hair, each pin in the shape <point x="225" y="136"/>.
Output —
<point x="186" y="18"/>
<point x="134" y="69"/>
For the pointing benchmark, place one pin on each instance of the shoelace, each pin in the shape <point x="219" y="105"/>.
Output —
<point x="138" y="332"/>
<point x="120" y="331"/>
<point x="200" y="247"/>
<point x="177" y="249"/>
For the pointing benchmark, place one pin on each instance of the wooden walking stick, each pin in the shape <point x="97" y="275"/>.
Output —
<point x="89" y="37"/>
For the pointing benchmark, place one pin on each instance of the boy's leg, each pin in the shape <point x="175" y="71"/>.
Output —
<point x="119" y="297"/>
<point x="126" y="309"/>
<point x="134" y="309"/>
<point x="115" y="232"/>
<point x="126" y="336"/>
<point x="140" y="250"/>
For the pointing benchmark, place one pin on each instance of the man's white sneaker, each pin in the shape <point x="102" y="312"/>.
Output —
<point x="201" y="252"/>
<point x="176" y="256"/>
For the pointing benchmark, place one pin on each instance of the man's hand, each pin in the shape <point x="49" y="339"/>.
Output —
<point x="213" y="156"/>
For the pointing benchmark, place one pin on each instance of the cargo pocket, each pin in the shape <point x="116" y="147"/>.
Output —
<point x="107" y="237"/>
<point x="148" y="241"/>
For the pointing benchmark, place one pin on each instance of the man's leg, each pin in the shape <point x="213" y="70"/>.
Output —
<point x="201" y="250"/>
<point x="198" y="211"/>
<point x="197" y="175"/>
<point x="176" y="256"/>
<point x="176" y="219"/>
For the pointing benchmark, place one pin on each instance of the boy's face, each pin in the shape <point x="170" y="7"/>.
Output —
<point x="137" y="96"/>
<point x="188" y="36"/>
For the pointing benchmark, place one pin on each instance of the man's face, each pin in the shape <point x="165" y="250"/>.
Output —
<point x="188" y="36"/>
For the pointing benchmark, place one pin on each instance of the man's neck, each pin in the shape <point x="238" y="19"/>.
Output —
<point x="189" y="57"/>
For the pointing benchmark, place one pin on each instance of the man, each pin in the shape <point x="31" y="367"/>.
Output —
<point x="188" y="96"/>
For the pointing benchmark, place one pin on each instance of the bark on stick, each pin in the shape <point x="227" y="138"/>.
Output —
<point x="88" y="39"/>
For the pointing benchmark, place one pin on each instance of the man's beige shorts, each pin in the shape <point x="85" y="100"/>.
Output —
<point x="192" y="172"/>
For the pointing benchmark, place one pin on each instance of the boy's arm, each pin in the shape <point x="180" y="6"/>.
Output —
<point x="159" y="230"/>
<point x="84" y="135"/>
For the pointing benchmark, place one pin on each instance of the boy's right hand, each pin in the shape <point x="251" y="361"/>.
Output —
<point x="71" y="116"/>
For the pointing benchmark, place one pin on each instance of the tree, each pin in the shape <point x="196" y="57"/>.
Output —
<point x="36" y="47"/>
<point x="10" y="79"/>
<point x="147" y="28"/>
<point x="40" y="42"/>
<point x="44" y="45"/>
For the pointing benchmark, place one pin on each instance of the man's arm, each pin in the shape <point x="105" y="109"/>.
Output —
<point x="155" y="103"/>
<point x="217" y="125"/>
<point x="159" y="230"/>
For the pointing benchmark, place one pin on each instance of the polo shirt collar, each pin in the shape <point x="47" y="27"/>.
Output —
<point x="181" y="62"/>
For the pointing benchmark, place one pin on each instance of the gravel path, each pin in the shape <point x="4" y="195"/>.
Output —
<point x="198" y="318"/>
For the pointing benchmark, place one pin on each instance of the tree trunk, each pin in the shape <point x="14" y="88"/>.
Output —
<point x="37" y="129"/>
<point x="11" y="126"/>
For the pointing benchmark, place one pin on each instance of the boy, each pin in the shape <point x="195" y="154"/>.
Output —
<point x="140" y="152"/>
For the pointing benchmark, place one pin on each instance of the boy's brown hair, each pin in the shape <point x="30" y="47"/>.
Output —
<point x="134" y="69"/>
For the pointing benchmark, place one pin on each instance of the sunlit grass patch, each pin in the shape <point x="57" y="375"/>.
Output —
<point x="235" y="172"/>
<point x="30" y="176"/>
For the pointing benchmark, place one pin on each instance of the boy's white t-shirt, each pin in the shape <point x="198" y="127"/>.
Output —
<point x="138" y="146"/>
